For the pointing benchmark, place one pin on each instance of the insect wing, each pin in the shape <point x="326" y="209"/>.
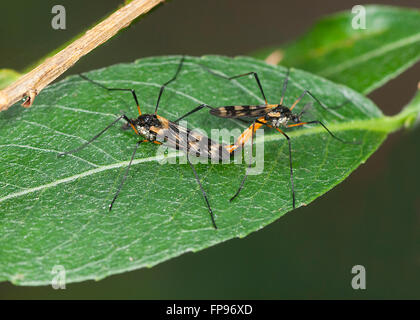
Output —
<point x="241" y="111"/>
<point x="180" y="138"/>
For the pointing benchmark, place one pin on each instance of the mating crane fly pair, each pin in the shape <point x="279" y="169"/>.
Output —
<point x="156" y="129"/>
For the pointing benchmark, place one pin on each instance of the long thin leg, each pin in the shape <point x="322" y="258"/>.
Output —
<point x="95" y="137"/>
<point x="286" y="80"/>
<point x="292" y="181"/>
<point x="298" y="99"/>
<point x="125" y="174"/>
<point x="202" y="191"/>
<point x="201" y="106"/>
<point x="168" y="82"/>
<point x="237" y="76"/>
<point x="249" y="165"/>
<point x="319" y="122"/>
<point x="133" y="92"/>
<point x="256" y="79"/>
<point x="290" y="162"/>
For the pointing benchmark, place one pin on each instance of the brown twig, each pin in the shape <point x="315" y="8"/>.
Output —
<point x="30" y="84"/>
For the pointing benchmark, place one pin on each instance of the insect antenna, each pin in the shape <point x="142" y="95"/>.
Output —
<point x="305" y="109"/>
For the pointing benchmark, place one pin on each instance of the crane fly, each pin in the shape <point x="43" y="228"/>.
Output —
<point x="277" y="116"/>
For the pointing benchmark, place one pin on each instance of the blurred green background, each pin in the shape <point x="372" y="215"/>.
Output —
<point x="372" y="218"/>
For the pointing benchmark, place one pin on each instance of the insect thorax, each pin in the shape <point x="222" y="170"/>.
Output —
<point x="279" y="122"/>
<point x="279" y="116"/>
<point x="144" y="123"/>
<point x="146" y="133"/>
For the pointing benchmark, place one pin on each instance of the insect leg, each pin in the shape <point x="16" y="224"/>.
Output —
<point x="168" y="82"/>
<point x="320" y="123"/>
<point x="202" y="190"/>
<point x="125" y="174"/>
<point x="133" y="92"/>
<point x="201" y="106"/>
<point x="237" y="76"/>
<point x="256" y="79"/>
<point x="285" y="81"/>
<point x="249" y="165"/>
<point x="292" y="183"/>
<point x="96" y="136"/>
<point x="256" y="125"/>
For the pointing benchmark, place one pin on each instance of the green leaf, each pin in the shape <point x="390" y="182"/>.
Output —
<point x="7" y="76"/>
<point x="53" y="210"/>
<point x="363" y="59"/>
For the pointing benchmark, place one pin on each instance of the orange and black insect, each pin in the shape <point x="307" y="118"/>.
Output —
<point x="156" y="129"/>
<point x="275" y="116"/>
